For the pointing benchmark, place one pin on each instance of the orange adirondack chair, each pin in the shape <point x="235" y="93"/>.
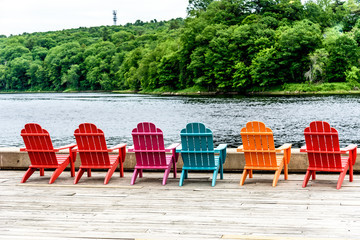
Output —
<point x="260" y="152"/>
<point x="94" y="154"/>
<point x="42" y="153"/>
<point x="324" y="152"/>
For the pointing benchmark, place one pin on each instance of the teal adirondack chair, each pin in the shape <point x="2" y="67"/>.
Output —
<point x="198" y="153"/>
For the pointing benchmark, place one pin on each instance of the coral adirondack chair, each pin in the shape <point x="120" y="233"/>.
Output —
<point x="324" y="152"/>
<point x="198" y="153"/>
<point x="260" y="152"/>
<point x="94" y="154"/>
<point x="150" y="152"/>
<point x="42" y="155"/>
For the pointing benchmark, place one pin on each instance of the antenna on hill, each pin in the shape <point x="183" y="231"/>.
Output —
<point x="115" y="18"/>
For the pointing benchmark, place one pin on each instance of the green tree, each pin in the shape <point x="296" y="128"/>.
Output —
<point x="196" y="6"/>
<point x="294" y="45"/>
<point x="60" y="59"/>
<point x="343" y="54"/>
<point x="265" y="69"/>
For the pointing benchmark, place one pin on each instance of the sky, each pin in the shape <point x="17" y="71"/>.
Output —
<point x="19" y="16"/>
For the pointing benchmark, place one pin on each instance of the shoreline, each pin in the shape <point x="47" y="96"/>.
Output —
<point x="205" y="93"/>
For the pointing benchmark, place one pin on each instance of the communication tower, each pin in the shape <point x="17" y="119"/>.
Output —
<point x="115" y="18"/>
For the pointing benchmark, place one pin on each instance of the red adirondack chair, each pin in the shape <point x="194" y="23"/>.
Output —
<point x="324" y="152"/>
<point x="94" y="154"/>
<point x="150" y="152"/>
<point x="42" y="153"/>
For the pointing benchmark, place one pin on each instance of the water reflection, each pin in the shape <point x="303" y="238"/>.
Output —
<point x="118" y="114"/>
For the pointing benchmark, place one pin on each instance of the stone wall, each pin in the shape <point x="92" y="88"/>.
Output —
<point x="12" y="158"/>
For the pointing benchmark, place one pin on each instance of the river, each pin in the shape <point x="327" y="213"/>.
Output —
<point x="118" y="114"/>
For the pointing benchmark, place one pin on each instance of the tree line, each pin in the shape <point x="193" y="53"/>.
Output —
<point x="226" y="45"/>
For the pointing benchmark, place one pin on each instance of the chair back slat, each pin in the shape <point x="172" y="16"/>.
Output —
<point x="38" y="143"/>
<point x="90" y="139"/>
<point x="324" y="149"/>
<point x="259" y="148"/>
<point x="197" y="146"/>
<point x="149" y="145"/>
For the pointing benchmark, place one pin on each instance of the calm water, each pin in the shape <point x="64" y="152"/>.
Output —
<point x="118" y="114"/>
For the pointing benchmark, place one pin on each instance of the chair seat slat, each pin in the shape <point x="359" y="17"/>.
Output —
<point x="257" y="133"/>
<point x="147" y="133"/>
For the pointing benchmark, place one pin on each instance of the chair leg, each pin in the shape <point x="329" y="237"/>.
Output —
<point x="121" y="166"/>
<point x="42" y="172"/>
<point x="166" y="175"/>
<point x="244" y="175"/>
<point x="286" y="171"/>
<point x="110" y="172"/>
<point x="181" y="182"/>
<point x="307" y="177"/>
<point x="186" y="174"/>
<point x="134" y="176"/>
<point x="72" y="163"/>
<point x="57" y="172"/>
<point x="250" y="173"/>
<point x="313" y="175"/>
<point x="78" y="175"/>
<point x="221" y="172"/>
<point x="89" y="172"/>
<point x="174" y="168"/>
<point x="276" y="177"/>
<point x="28" y="173"/>
<point x="214" y="177"/>
<point x="341" y="178"/>
<point x="140" y="173"/>
<point x="351" y="172"/>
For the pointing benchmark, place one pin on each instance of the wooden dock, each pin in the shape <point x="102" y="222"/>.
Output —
<point x="148" y="210"/>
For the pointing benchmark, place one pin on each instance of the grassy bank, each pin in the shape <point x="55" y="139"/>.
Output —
<point x="286" y="89"/>
<point x="312" y="89"/>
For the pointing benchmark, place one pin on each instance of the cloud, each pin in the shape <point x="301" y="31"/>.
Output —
<point x="18" y="16"/>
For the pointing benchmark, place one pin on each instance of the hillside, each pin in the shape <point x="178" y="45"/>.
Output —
<point x="224" y="45"/>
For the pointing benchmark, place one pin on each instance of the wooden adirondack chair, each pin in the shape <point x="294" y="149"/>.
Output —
<point x="260" y="152"/>
<point x="324" y="152"/>
<point x="94" y="154"/>
<point x="42" y="155"/>
<point x="150" y="152"/>
<point x="198" y="153"/>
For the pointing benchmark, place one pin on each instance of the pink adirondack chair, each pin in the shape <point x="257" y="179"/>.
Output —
<point x="42" y="153"/>
<point x="94" y="154"/>
<point x="150" y="152"/>
<point x="324" y="152"/>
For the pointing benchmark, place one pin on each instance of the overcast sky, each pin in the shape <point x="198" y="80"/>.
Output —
<point x="19" y="16"/>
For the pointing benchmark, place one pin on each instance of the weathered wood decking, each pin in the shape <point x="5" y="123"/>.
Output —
<point x="148" y="210"/>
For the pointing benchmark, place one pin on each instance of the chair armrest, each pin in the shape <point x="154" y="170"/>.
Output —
<point x="303" y="149"/>
<point x="130" y="149"/>
<point x="172" y="147"/>
<point x="352" y="149"/>
<point x="179" y="148"/>
<point x="69" y="146"/>
<point x="221" y="149"/>
<point x="349" y="148"/>
<point x="287" y="151"/>
<point x="240" y="148"/>
<point x="22" y="149"/>
<point x="121" y="145"/>
<point x="122" y="150"/>
<point x="284" y="147"/>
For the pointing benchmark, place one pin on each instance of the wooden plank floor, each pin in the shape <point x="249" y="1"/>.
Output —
<point x="148" y="210"/>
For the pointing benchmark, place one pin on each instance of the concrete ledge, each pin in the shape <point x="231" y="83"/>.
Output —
<point x="12" y="158"/>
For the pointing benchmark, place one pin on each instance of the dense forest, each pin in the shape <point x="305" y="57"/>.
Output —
<point x="223" y="45"/>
